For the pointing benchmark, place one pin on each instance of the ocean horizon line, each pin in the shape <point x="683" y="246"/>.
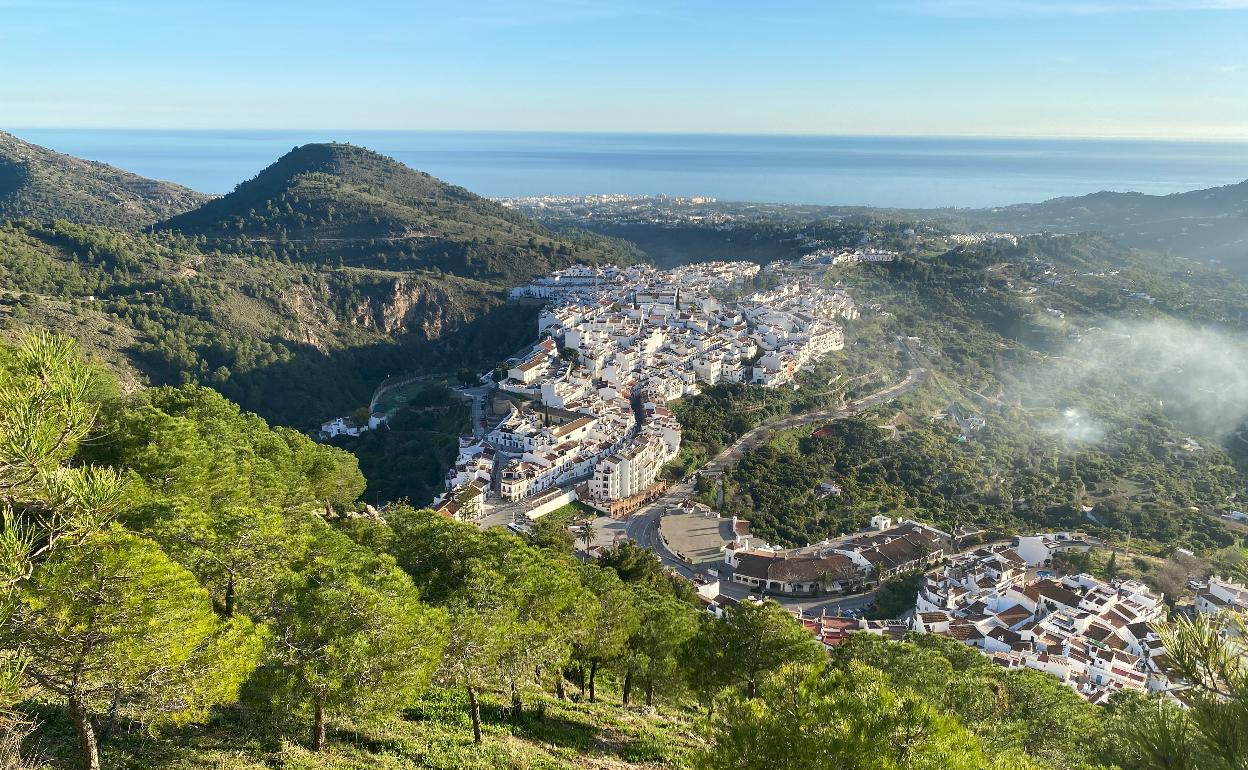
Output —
<point x="869" y="171"/>
<point x="1231" y="140"/>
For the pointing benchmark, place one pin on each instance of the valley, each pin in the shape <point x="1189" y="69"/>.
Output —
<point x="585" y="385"/>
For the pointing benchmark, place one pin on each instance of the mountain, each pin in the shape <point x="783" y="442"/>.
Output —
<point x="295" y="294"/>
<point x="348" y="205"/>
<point x="1210" y="224"/>
<point x="45" y="185"/>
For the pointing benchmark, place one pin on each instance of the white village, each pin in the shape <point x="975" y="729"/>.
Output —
<point x="617" y="345"/>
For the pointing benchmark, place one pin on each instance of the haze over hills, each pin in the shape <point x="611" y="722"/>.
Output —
<point x="345" y="203"/>
<point x="1210" y="223"/>
<point x="45" y="185"/>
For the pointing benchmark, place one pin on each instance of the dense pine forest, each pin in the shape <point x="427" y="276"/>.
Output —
<point x="45" y="185"/>
<point x="331" y="270"/>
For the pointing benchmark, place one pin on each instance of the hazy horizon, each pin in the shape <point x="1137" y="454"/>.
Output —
<point x="880" y="171"/>
<point x="16" y="130"/>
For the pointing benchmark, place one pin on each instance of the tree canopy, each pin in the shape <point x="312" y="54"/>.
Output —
<point x="114" y="623"/>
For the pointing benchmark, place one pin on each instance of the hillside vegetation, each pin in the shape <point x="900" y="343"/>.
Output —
<point x="295" y="342"/>
<point x="1108" y="382"/>
<point x="352" y="206"/>
<point x="45" y="185"/>
<point x="296" y="294"/>
<point x="204" y="597"/>
<point x="408" y="460"/>
<point x="1209" y="224"/>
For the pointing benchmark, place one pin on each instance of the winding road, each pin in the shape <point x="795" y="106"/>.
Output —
<point x="643" y="525"/>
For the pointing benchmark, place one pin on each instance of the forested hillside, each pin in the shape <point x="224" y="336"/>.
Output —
<point x="1210" y="224"/>
<point x="1074" y="385"/>
<point x="295" y="342"/>
<point x="187" y="587"/>
<point x="295" y="295"/>
<point x="45" y="185"/>
<point x="347" y="205"/>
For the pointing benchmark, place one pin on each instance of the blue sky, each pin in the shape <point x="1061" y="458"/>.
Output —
<point x="1151" y="68"/>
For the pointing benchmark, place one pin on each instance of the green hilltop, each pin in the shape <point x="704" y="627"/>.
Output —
<point x="345" y="203"/>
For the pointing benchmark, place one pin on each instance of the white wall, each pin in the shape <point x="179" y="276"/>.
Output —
<point x="556" y="502"/>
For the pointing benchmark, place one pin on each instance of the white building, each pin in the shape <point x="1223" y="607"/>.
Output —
<point x="1095" y="636"/>
<point x="345" y="426"/>
<point x="651" y="336"/>
<point x="1220" y="595"/>
<point x="1038" y="550"/>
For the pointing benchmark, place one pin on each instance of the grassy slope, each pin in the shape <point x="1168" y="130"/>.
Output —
<point x="434" y="733"/>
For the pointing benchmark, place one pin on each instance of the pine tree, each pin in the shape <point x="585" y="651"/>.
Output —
<point x="355" y="638"/>
<point x="114" y="625"/>
<point x="47" y="406"/>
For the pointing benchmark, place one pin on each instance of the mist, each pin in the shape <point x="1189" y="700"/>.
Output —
<point x="1075" y="424"/>
<point x="1198" y="377"/>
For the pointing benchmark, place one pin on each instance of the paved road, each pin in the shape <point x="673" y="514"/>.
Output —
<point x="760" y="434"/>
<point x="477" y="396"/>
<point x="811" y="607"/>
<point x="608" y="532"/>
<point x="497" y="516"/>
<point x="643" y="528"/>
<point x="643" y="525"/>
<point x="402" y="382"/>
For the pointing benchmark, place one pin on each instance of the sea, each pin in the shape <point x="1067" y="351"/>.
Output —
<point x="884" y="171"/>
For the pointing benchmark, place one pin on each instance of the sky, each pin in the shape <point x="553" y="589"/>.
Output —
<point x="1119" y="68"/>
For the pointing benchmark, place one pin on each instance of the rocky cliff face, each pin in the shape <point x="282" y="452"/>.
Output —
<point x="316" y="324"/>
<point x="346" y="309"/>
<point x="411" y="305"/>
